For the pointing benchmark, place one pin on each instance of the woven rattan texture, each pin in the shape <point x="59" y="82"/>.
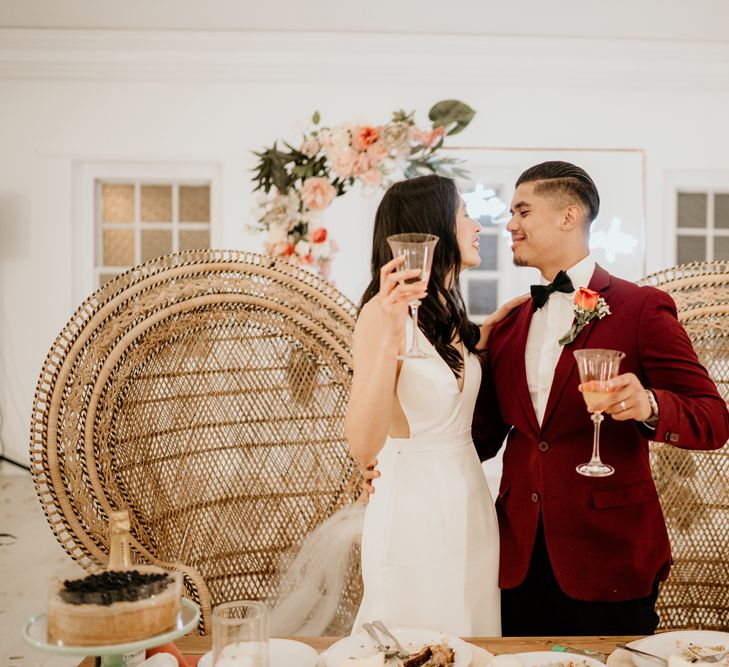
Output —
<point x="204" y="391"/>
<point x="694" y="486"/>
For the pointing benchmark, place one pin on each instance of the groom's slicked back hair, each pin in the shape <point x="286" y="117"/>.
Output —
<point x="564" y="180"/>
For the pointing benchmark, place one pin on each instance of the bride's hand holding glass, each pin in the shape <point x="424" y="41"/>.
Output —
<point x="395" y="295"/>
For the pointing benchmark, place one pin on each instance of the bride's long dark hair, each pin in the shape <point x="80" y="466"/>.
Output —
<point x="428" y="204"/>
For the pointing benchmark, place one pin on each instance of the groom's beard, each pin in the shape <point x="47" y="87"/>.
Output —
<point x="518" y="261"/>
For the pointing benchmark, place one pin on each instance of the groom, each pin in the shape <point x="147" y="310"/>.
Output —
<point x="582" y="555"/>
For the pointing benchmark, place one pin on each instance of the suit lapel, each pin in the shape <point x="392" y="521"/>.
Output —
<point x="521" y="333"/>
<point x="567" y="366"/>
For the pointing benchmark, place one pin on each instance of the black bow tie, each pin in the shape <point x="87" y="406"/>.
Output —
<point x="540" y="293"/>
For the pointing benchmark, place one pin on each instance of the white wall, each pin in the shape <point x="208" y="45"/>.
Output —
<point x="70" y="97"/>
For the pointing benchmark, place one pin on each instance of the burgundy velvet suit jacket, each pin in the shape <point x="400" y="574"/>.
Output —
<point x="606" y="537"/>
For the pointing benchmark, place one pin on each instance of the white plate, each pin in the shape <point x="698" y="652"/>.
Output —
<point x="281" y="653"/>
<point x="666" y="643"/>
<point x="539" y="658"/>
<point x="412" y="639"/>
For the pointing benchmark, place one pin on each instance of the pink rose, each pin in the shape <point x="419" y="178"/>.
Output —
<point x="586" y="299"/>
<point x="319" y="235"/>
<point x="364" y="136"/>
<point x="317" y="193"/>
<point x="372" y="178"/>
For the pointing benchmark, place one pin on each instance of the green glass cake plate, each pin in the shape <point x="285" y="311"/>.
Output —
<point x="112" y="655"/>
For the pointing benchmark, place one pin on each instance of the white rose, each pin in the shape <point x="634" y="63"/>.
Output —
<point x="303" y="248"/>
<point x="278" y="233"/>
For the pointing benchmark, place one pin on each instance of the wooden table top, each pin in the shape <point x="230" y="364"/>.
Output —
<point x="196" y="645"/>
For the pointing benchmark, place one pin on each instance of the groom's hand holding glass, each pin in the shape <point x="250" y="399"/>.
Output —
<point x="627" y="399"/>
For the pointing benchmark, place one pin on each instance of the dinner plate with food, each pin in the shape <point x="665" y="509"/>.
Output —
<point x="545" y="659"/>
<point x="426" y="648"/>
<point x="691" y="645"/>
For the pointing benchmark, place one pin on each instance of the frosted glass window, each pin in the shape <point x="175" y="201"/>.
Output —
<point x="721" y="248"/>
<point x="194" y="203"/>
<point x="118" y="203"/>
<point x="139" y="221"/>
<point x="156" y="203"/>
<point x="721" y="211"/>
<point x="690" y="249"/>
<point x="691" y="209"/>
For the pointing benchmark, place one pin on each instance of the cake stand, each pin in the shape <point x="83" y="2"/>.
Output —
<point x="112" y="655"/>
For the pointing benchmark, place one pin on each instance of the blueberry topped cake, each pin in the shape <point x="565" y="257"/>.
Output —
<point x="114" y="607"/>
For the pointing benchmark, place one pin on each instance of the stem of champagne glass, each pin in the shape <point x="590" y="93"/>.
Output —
<point x="597" y="420"/>
<point x="415" y="346"/>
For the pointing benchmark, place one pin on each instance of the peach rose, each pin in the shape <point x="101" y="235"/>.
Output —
<point x="317" y="193"/>
<point x="362" y="163"/>
<point x="378" y="151"/>
<point x="364" y="136"/>
<point x="586" y="299"/>
<point x="372" y="177"/>
<point x="319" y="235"/>
<point x="310" y="147"/>
<point x="343" y="163"/>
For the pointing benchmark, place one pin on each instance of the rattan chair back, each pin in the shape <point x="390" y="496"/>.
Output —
<point x="204" y="392"/>
<point x="694" y="486"/>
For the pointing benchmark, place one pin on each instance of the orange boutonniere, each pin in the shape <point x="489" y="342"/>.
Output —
<point x="588" y="305"/>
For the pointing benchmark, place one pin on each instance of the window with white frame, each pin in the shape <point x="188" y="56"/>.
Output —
<point x="702" y="225"/>
<point x="481" y="284"/>
<point x="138" y="220"/>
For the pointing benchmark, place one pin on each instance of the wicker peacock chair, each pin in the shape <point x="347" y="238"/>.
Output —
<point x="204" y="392"/>
<point x="694" y="486"/>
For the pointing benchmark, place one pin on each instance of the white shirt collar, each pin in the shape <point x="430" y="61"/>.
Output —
<point x="580" y="274"/>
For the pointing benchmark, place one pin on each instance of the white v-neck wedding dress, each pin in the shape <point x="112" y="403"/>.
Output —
<point x="430" y="545"/>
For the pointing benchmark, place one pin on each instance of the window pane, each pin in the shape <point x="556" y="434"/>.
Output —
<point x="691" y="210"/>
<point x="118" y="247"/>
<point x="117" y="202"/>
<point x="721" y="247"/>
<point x="156" y="203"/>
<point x="690" y="249"/>
<point x="193" y="240"/>
<point x="155" y="243"/>
<point x="721" y="211"/>
<point x="481" y="297"/>
<point x="488" y="245"/>
<point x="194" y="203"/>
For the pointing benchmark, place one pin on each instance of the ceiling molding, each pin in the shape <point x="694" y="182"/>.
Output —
<point x="278" y="57"/>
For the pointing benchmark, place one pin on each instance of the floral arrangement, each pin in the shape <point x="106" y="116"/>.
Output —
<point x="588" y="305"/>
<point x="298" y="183"/>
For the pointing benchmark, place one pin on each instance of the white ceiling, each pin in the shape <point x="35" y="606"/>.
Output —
<point x="701" y="20"/>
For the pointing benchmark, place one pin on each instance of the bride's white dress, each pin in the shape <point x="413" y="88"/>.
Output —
<point x="430" y="546"/>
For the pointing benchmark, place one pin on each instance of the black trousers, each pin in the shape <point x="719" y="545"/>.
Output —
<point x="538" y="607"/>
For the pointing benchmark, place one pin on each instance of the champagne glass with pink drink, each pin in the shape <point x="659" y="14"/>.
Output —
<point x="596" y="367"/>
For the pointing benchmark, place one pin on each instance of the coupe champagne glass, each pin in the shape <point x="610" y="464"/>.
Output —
<point x="596" y="367"/>
<point x="417" y="249"/>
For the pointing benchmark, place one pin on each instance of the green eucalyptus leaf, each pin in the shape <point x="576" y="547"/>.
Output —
<point x="316" y="118"/>
<point x="453" y="114"/>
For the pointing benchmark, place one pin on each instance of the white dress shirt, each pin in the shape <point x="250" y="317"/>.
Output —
<point x="548" y="325"/>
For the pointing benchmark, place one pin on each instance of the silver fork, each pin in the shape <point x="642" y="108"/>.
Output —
<point x="370" y="630"/>
<point x="401" y="652"/>
<point x="712" y="657"/>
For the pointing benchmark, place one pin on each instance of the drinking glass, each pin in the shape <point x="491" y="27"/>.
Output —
<point x="240" y="634"/>
<point x="596" y="367"/>
<point x="417" y="249"/>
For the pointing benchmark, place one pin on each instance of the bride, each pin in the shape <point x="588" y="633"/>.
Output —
<point x="430" y="545"/>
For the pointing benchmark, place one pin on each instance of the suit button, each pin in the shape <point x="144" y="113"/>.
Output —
<point x="535" y="497"/>
<point x="543" y="446"/>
